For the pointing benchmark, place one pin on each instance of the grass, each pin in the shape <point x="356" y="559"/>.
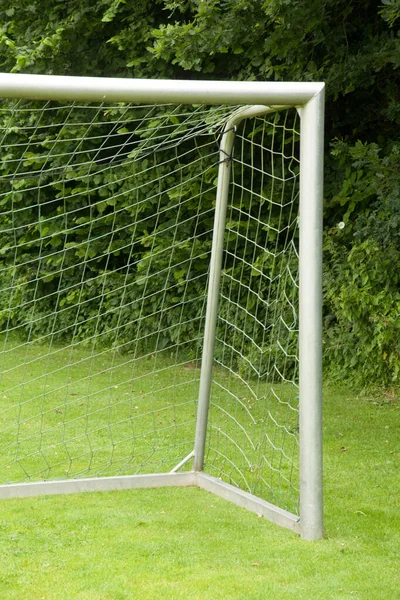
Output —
<point x="186" y="543"/>
<point x="69" y="412"/>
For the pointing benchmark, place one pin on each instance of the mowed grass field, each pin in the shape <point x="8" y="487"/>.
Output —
<point x="72" y="411"/>
<point x="186" y="543"/>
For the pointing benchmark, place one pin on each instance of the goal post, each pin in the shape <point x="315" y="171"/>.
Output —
<point x="310" y="312"/>
<point x="161" y="277"/>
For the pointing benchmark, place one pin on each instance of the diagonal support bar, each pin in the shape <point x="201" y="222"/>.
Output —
<point x="224" y="173"/>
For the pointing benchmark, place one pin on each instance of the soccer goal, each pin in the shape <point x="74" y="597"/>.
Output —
<point x="160" y="274"/>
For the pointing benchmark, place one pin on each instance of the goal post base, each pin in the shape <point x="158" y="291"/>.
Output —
<point x="248" y="501"/>
<point x="205" y="482"/>
<point x="96" y="484"/>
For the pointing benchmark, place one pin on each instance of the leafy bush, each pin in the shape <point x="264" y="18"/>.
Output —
<point x="353" y="46"/>
<point x="362" y="261"/>
<point x="362" y="334"/>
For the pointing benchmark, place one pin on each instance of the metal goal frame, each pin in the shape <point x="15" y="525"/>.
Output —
<point x="257" y="98"/>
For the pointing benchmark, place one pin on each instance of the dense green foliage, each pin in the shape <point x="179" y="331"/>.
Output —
<point x="353" y="46"/>
<point x="92" y="235"/>
<point x="91" y="225"/>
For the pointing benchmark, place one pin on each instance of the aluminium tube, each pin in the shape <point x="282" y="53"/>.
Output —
<point x="310" y="300"/>
<point x="111" y="89"/>
<point x="225" y="158"/>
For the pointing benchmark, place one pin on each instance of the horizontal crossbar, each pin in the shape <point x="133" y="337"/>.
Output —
<point x="100" y="89"/>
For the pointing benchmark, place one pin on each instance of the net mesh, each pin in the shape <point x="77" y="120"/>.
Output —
<point x="253" y="425"/>
<point x="106" y="221"/>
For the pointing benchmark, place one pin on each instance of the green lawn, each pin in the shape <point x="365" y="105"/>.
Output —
<point x="72" y="412"/>
<point x="69" y="411"/>
<point x="185" y="543"/>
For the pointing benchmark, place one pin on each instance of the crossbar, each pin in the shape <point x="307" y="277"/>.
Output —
<point x="99" y="89"/>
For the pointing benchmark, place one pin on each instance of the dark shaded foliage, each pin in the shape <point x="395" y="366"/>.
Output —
<point x="353" y="46"/>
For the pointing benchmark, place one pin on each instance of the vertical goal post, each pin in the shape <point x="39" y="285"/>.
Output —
<point x="229" y="371"/>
